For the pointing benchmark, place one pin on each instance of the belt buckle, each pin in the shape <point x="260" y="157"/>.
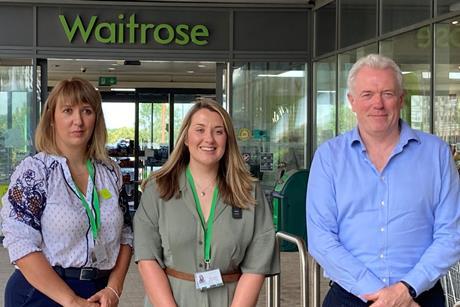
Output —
<point x="87" y="274"/>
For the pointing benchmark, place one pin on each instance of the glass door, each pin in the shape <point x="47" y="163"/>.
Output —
<point x="269" y="105"/>
<point x="120" y="121"/>
<point x="154" y="131"/>
<point x="17" y="115"/>
<point x="182" y="104"/>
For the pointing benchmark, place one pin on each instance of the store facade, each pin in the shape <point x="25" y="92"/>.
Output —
<point x="422" y="36"/>
<point x="262" y="53"/>
<point x="281" y="108"/>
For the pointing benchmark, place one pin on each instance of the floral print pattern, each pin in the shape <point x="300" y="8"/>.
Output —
<point x="28" y="197"/>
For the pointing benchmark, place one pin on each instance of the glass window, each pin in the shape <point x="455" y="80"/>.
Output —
<point x="16" y="116"/>
<point x="397" y="14"/>
<point x="325" y="106"/>
<point x="447" y="82"/>
<point x="182" y="104"/>
<point x="412" y="52"/>
<point x="358" y="21"/>
<point x="153" y="132"/>
<point x="447" y="6"/>
<point x="347" y="119"/>
<point x="269" y="113"/>
<point x="153" y="120"/>
<point x="325" y="29"/>
<point x="119" y="119"/>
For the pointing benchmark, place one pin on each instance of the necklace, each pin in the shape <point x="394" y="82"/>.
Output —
<point x="203" y="191"/>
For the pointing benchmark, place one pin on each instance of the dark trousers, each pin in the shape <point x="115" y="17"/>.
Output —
<point x="339" y="297"/>
<point x="20" y="293"/>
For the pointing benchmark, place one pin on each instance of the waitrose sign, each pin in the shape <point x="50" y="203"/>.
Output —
<point x="126" y="30"/>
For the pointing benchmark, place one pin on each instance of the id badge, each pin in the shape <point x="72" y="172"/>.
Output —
<point x="99" y="252"/>
<point x="208" y="280"/>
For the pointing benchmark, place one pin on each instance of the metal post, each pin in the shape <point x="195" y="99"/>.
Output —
<point x="313" y="284"/>
<point x="269" y="291"/>
<point x="309" y="276"/>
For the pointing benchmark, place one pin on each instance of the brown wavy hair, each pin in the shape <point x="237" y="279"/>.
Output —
<point x="234" y="181"/>
<point x="74" y="91"/>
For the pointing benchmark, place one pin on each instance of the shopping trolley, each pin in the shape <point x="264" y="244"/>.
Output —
<point x="451" y="285"/>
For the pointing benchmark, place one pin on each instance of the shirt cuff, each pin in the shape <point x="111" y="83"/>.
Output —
<point x="368" y="284"/>
<point x="417" y="282"/>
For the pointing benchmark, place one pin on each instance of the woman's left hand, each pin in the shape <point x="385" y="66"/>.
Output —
<point x="105" y="297"/>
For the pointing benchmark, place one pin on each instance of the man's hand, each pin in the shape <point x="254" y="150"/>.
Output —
<point x="105" y="297"/>
<point x="395" y="295"/>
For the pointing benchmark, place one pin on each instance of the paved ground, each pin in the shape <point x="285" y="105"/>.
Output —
<point x="133" y="294"/>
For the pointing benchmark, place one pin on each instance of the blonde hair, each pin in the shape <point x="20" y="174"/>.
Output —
<point x="234" y="181"/>
<point x="73" y="91"/>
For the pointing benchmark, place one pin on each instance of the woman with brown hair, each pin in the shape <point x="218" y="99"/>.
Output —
<point x="203" y="231"/>
<point x="65" y="227"/>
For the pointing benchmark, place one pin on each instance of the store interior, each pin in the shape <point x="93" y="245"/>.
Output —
<point x="144" y="103"/>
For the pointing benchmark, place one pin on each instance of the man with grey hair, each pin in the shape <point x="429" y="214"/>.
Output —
<point x="383" y="201"/>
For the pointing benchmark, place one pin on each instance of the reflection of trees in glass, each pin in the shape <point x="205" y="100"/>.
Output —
<point x="347" y="119"/>
<point x="269" y="100"/>
<point x="153" y="123"/>
<point x="2" y="123"/>
<point x="325" y="116"/>
<point x="180" y="110"/>
<point x="15" y="105"/>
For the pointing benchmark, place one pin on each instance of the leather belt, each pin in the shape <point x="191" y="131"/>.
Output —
<point x="82" y="273"/>
<point x="226" y="278"/>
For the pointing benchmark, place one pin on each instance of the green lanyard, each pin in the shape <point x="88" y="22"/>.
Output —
<point x="207" y="227"/>
<point x="94" y="218"/>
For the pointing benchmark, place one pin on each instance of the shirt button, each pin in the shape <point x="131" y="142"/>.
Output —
<point x="381" y="256"/>
<point x="384" y="279"/>
<point x="382" y="229"/>
<point x="382" y="178"/>
<point x="382" y="203"/>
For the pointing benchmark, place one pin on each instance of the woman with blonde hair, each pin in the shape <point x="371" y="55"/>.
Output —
<point x="203" y="233"/>
<point x="66" y="228"/>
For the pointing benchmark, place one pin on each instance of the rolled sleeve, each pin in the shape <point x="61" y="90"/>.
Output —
<point x="23" y="205"/>
<point x="262" y="255"/>
<point x="20" y="239"/>
<point x="147" y="240"/>
<point x="127" y="237"/>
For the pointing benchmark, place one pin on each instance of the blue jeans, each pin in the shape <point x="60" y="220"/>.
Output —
<point x="20" y="293"/>
<point x="339" y="297"/>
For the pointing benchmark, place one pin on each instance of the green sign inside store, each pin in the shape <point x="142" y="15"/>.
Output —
<point x="126" y="30"/>
<point x="107" y="81"/>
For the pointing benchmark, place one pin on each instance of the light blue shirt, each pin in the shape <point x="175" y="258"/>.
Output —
<point x="371" y="229"/>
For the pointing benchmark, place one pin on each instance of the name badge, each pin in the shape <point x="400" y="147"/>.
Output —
<point x="208" y="280"/>
<point x="237" y="213"/>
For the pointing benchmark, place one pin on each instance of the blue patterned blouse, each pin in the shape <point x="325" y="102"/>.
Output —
<point x="42" y="212"/>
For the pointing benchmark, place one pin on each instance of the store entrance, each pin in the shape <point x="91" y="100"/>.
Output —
<point x="142" y="129"/>
<point x="144" y="104"/>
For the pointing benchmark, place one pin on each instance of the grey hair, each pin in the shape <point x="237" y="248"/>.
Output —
<point x="375" y="61"/>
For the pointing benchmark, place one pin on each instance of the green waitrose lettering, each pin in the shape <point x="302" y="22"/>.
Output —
<point x="130" y="32"/>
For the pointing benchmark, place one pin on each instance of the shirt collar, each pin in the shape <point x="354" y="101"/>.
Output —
<point x="407" y="134"/>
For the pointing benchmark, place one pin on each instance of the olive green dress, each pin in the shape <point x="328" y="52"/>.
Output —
<point x="170" y="232"/>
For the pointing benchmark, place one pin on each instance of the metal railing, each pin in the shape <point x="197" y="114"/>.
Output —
<point x="309" y="276"/>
